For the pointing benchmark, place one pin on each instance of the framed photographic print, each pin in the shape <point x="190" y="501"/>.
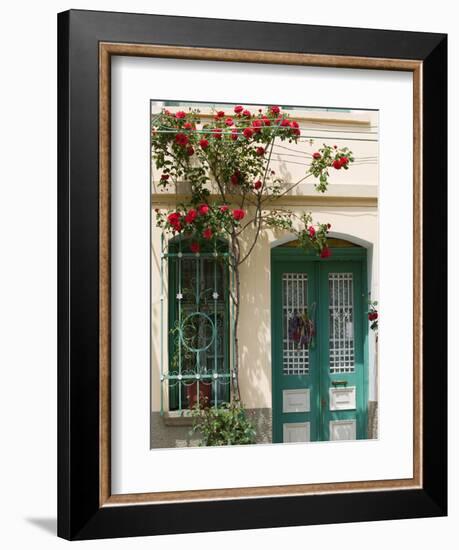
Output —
<point x="252" y="298"/>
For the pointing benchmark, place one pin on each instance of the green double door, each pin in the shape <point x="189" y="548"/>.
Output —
<point x="319" y="339"/>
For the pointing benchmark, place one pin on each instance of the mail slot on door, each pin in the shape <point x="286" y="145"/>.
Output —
<point x="342" y="399"/>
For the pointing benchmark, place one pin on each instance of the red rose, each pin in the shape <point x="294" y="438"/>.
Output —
<point x="285" y="122"/>
<point x="246" y="113"/>
<point x="207" y="233"/>
<point x="181" y="139"/>
<point x="173" y="217"/>
<point x="220" y="114"/>
<point x="174" y="220"/>
<point x="180" y="114"/>
<point x="217" y="133"/>
<point x="260" y="151"/>
<point x="235" y="178"/>
<point x="203" y="209"/>
<point x="248" y="133"/>
<point x="372" y="316"/>
<point x="296" y="127"/>
<point x="337" y="164"/>
<point x="229" y="121"/>
<point x="266" y="121"/>
<point x="234" y="134"/>
<point x="238" y="109"/>
<point x="190" y="151"/>
<point x="194" y="247"/>
<point x="224" y="208"/>
<point x="203" y="143"/>
<point x="238" y="214"/>
<point x="311" y="231"/>
<point x="316" y="156"/>
<point x="257" y="124"/>
<point x="188" y="126"/>
<point x="191" y="215"/>
<point x="328" y="225"/>
<point x="258" y="184"/>
<point x="164" y="177"/>
<point x="325" y="253"/>
<point x="344" y="161"/>
<point x="275" y="109"/>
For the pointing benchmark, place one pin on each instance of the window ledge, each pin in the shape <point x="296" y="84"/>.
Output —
<point x="178" y="418"/>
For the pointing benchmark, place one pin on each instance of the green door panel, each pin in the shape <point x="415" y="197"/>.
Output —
<point x="348" y="307"/>
<point x="284" y="359"/>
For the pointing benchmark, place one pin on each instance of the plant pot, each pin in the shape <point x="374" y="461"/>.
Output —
<point x="205" y="395"/>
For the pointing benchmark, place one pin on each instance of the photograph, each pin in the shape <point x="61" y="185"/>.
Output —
<point x="264" y="274"/>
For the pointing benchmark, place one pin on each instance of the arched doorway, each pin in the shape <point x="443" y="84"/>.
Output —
<point x="319" y="343"/>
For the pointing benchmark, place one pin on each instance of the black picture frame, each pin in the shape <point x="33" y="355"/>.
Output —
<point x="80" y="515"/>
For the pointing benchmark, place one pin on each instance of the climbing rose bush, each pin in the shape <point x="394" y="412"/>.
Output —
<point x="233" y="150"/>
<point x="226" y="160"/>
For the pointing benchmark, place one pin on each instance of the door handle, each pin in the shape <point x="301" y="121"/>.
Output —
<point x="339" y="383"/>
<point x="323" y="402"/>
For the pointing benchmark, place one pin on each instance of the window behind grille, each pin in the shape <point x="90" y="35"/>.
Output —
<point x="198" y="325"/>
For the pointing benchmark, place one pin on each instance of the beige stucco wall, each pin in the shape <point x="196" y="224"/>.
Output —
<point x="350" y="206"/>
<point x="358" y="224"/>
<point x="357" y="130"/>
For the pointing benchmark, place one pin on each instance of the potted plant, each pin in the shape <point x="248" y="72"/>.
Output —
<point x="205" y="394"/>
